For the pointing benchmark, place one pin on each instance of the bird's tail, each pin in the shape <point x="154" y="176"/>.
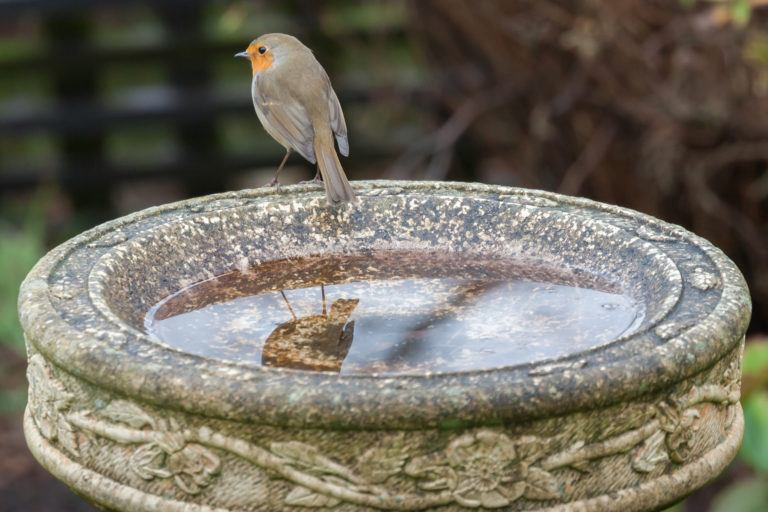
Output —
<point x="337" y="188"/>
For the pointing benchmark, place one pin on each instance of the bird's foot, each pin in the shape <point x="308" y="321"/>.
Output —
<point x="273" y="183"/>
<point x="317" y="180"/>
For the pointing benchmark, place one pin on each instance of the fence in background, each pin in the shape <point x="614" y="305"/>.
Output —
<point x="190" y="105"/>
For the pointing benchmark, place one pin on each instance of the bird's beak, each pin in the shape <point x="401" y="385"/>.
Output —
<point x="242" y="54"/>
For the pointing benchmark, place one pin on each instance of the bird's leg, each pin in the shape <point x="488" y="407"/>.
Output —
<point x="274" y="182"/>
<point x="316" y="179"/>
<point x="288" y="304"/>
<point x="322" y="291"/>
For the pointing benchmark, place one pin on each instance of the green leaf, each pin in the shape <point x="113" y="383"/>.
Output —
<point x="745" y="496"/>
<point x="755" y="357"/>
<point x="754" y="450"/>
<point x="741" y="11"/>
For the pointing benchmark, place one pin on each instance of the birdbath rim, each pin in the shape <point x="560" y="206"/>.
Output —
<point x="70" y="309"/>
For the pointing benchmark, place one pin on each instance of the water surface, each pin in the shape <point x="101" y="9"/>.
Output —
<point x="393" y="313"/>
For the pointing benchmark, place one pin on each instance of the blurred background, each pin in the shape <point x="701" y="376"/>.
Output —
<point x="107" y="107"/>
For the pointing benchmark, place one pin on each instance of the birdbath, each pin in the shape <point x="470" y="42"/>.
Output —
<point x="435" y="346"/>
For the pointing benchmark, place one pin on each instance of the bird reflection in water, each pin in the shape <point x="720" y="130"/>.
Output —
<point x="316" y="342"/>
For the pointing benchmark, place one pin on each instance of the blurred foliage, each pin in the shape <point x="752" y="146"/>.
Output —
<point x="22" y="245"/>
<point x="749" y="495"/>
<point x="754" y="450"/>
<point x="658" y="106"/>
<point x="755" y="364"/>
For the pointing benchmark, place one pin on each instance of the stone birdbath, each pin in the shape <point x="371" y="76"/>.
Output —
<point x="436" y="346"/>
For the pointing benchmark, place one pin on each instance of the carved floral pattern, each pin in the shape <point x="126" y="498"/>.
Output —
<point x="479" y="468"/>
<point x="48" y="402"/>
<point x="679" y="427"/>
<point x="192" y="467"/>
<point x="486" y="469"/>
<point x="169" y="454"/>
<point x="672" y="441"/>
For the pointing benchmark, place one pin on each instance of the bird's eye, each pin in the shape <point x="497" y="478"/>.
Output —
<point x="262" y="50"/>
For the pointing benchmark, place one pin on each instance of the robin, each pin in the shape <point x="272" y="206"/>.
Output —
<point x="295" y="102"/>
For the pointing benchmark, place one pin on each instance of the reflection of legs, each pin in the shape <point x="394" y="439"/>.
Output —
<point x="274" y="182"/>
<point x="288" y="304"/>
<point x="322" y="292"/>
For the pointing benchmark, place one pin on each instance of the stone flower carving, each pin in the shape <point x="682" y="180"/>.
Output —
<point x="486" y="469"/>
<point x="48" y="403"/>
<point x="680" y="427"/>
<point x="192" y="466"/>
<point x="168" y="454"/>
<point x="673" y="441"/>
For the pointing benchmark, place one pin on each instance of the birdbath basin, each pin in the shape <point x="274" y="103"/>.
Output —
<point x="435" y="346"/>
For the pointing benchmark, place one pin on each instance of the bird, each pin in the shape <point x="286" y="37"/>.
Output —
<point x="297" y="106"/>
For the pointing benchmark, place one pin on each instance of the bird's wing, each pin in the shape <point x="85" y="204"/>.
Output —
<point x="338" y="124"/>
<point x="285" y="119"/>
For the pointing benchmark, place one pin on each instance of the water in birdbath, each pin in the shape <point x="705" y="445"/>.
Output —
<point x="393" y="313"/>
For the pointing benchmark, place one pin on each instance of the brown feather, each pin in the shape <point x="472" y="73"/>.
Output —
<point x="337" y="188"/>
<point x="284" y="118"/>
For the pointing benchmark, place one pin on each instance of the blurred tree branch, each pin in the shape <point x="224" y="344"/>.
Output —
<point x="658" y="105"/>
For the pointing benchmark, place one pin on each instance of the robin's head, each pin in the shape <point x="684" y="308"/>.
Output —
<point x="264" y="51"/>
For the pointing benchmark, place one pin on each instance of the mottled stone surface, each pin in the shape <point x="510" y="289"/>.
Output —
<point x="137" y="425"/>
